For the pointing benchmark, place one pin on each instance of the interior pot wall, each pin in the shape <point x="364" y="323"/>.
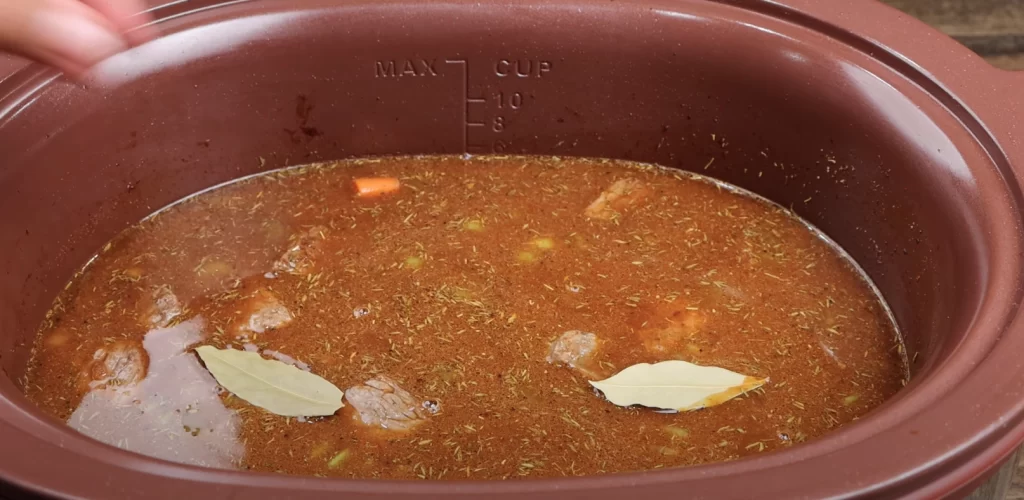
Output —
<point x="232" y="92"/>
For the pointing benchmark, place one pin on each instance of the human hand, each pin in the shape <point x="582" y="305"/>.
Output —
<point x="71" y="35"/>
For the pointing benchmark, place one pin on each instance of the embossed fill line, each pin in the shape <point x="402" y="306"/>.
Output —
<point x="465" y="98"/>
<point x="466" y="101"/>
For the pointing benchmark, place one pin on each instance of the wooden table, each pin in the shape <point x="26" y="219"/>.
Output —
<point x="995" y="30"/>
<point x="992" y="28"/>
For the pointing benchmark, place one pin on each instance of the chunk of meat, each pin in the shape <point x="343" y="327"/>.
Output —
<point x="622" y="195"/>
<point x="58" y="337"/>
<point x="261" y="312"/>
<point x="212" y="274"/>
<point x="574" y="349"/>
<point x="174" y="412"/>
<point x="159" y="308"/>
<point x="119" y="364"/>
<point x="670" y="324"/>
<point x="380" y="402"/>
<point x="303" y="249"/>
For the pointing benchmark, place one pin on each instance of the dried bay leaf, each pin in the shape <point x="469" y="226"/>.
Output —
<point x="272" y="385"/>
<point x="675" y="385"/>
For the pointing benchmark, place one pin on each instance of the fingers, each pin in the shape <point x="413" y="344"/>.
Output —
<point x="69" y="67"/>
<point x="127" y="16"/>
<point x="71" y="35"/>
<point x="65" y="34"/>
<point x="73" y="43"/>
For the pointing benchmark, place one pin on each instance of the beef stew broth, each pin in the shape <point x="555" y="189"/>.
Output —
<point x="463" y="315"/>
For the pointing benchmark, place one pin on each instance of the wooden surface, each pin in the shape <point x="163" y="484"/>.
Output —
<point x="992" y="28"/>
<point x="1005" y="484"/>
<point x="995" y="30"/>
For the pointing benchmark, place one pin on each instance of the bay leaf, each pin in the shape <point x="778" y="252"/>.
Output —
<point x="675" y="385"/>
<point x="272" y="385"/>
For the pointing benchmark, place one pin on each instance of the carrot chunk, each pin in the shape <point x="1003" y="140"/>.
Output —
<point x="368" y="187"/>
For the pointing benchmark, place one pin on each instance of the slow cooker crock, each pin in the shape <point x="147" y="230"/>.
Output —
<point x="900" y="144"/>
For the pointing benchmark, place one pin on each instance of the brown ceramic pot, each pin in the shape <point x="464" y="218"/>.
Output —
<point x="902" y="145"/>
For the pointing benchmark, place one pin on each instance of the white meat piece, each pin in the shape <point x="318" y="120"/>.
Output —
<point x="670" y="325"/>
<point x="380" y="402"/>
<point x="262" y="312"/>
<point x="619" y="197"/>
<point x="574" y="349"/>
<point x="119" y="364"/>
<point x="160" y="307"/>
<point x="303" y="249"/>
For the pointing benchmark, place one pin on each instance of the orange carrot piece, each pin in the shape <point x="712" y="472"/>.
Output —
<point x="368" y="187"/>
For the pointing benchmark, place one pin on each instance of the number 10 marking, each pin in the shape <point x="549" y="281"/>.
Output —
<point x="513" y="101"/>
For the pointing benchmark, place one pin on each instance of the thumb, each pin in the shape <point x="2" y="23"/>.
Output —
<point x="62" y="33"/>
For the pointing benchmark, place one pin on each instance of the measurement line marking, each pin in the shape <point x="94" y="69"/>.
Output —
<point x="466" y="101"/>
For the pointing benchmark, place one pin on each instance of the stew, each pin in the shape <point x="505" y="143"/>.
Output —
<point x="463" y="305"/>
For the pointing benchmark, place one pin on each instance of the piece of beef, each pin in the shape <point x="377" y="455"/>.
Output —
<point x="622" y="195"/>
<point x="380" y="402"/>
<point x="669" y="325"/>
<point x="303" y="249"/>
<point x="575" y="349"/>
<point x="159" y="307"/>
<point x="262" y="312"/>
<point x="118" y="364"/>
<point x="572" y="347"/>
